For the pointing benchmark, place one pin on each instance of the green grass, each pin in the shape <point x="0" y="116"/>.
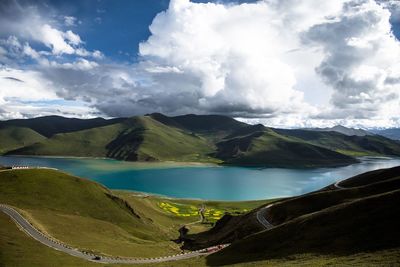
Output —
<point x="15" y="137"/>
<point x="86" y="215"/>
<point x="82" y="213"/>
<point x="19" y="250"/>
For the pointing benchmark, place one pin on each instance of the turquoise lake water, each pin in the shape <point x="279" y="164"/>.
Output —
<point x="203" y="182"/>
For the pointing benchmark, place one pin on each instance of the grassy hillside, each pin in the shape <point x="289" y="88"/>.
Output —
<point x="81" y="213"/>
<point x="197" y="138"/>
<point x="136" y="139"/>
<point x="86" y="215"/>
<point x="15" y="137"/>
<point x="330" y="222"/>
<point x="349" y="145"/>
<point x="50" y="125"/>
<point x="257" y="145"/>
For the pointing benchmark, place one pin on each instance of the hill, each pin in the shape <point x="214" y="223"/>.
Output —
<point x="135" y="139"/>
<point x="343" y="130"/>
<point x="349" y="145"/>
<point x="51" y="125"/>
<point x="82" y="213"/>
<point x="12" y="137"/>
<point x="198" y="138"/>
<point x="88" y="216"/>
<point x="356" y="218"/>
<point x="213" y="127"/>
<point x="259" y="146"/>
<point x="392" y="133"/>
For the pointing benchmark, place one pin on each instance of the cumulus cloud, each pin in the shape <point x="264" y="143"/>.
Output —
<point x="282" y="62"/>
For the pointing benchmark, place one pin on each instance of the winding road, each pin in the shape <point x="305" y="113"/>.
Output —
<point x="261" y="217"/>
<point x="29" y="229"/>
<point x="51" y="242"/>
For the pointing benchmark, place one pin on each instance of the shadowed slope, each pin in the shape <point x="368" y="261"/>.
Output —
<point x="335" y="221"/>
<point x="15" y="137"/>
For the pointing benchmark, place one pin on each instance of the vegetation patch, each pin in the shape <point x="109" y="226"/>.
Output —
<point x="187" y="210"/>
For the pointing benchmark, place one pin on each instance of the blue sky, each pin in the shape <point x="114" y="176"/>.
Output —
<point x="125" y="22"/>
<point x="293" y="63"/>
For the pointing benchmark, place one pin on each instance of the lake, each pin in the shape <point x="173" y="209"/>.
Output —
<point x="203" y="181"/>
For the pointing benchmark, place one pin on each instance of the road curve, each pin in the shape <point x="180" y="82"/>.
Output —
<point x="261" y="217"/>
<point x="28" y="228"/>
<point x="338" y="186"/>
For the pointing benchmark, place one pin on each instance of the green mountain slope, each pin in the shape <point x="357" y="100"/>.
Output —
<point x="50" y="125"/>
<point x="212" y="127"/>
<point x="82" y="213"/>
<point x="203" y="138"/>
<point x="350" y="145"/>
<point x="259" y="146"/>
<point x="15" y="137"/>
<point x="331" y="221"/>
<point x="137" y="138"/>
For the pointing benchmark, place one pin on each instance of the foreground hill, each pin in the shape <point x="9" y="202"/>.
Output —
<point x="198" y="138"/>
<point x="87" y="216"/>
<point x="12" y="137"/>
<point x="82" y="213"/>
<point x="357" y="216"/>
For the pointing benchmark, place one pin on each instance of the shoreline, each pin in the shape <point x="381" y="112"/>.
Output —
<point x="147" y="194"/>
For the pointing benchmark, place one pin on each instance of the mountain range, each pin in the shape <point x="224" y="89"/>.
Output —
<point x="194" y="138"/>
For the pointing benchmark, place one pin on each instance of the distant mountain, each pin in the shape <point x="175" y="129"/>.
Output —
<point x="199" y="138"/>
<point x="343" y="130"/>
<point x="51" y="125"/>
<point x="350" y="145"/>
<point x="332" y="221"/>
<point x="258" y="145"/>
<point x="392" y="133"/>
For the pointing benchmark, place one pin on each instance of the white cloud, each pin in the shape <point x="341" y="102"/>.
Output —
<point x="281" y="62"/>
<point x="70" y="21"/>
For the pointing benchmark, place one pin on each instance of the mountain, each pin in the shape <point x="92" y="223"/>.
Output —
<point x="358" y="217"/>
<point x="258" y="145"/>
<point x="50" y="125"/>
<point x="198" y="138"/>
<point x="392" y="133"/>
<point x="343" y="130"/>
<point x="12" y="137"/>
<point x="349" y="145"/>
<point x="212" y="127"/>
<point x="135" y="139"/>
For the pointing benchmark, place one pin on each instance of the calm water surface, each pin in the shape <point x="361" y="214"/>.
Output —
<point x="205" y="182"/>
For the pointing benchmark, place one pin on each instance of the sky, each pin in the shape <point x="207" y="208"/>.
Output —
<point x="283" y="63"/>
